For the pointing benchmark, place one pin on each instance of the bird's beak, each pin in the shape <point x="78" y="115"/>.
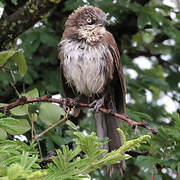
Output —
<point x="104" y="23"/>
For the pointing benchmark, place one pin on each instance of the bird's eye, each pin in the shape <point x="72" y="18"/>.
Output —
<point x="89" y="21"/>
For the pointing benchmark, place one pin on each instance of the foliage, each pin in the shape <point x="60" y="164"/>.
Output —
<point x="70" y="165"/>
<point x="17" y="57"/>
<point x="147" y="32"/>
<point x="20" y="161"/>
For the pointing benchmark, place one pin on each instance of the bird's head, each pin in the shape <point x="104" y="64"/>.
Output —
<point x="86" y="16"/>
<point x="86" y="23"/>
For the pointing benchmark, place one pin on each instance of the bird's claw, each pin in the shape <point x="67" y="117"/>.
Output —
<point x="96" y="104"/>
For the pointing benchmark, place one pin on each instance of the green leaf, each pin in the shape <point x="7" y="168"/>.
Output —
<point x="5" y="55"/>
<point x="147" y="37"/>
<point x="144" y="116"/>
<point x="21" y="126"/>
<point x="14" y="2"/>
<point x="71" y="124"/>
<point x="138" y="38"/>
<point x="143" y="20"/>
<point x="71" y="4"/>
<point x="50" y="113"/>
<point x="37" y="175"/>
<point x="145" y="162"/>
<point x="178" y="167"/>
<point x="20" y="110"/>
<point x="48" y="39"/>
<point x="27" y="161"/>
<point x="3" y="134"/>
<point x="23" y="110"/>
<point x="17" y="57"/>
<point x="21" y="63"/>
<point x="32" y="93"/>
<point x="2" y="104"/>
<point x="14" y="171"/>
<point x="1" y="4"/>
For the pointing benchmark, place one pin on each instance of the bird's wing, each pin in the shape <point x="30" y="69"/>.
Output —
<point x="118" y="77"/>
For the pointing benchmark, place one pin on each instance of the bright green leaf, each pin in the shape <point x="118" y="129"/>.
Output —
<point x="21" y="126"/>
<point x="17" y="57"/>
<point x="20" y="110"/>
<point x="21" y="63"/>
<point x="5" y="55"/>
<point x="50" y="113"/>
<point x="32" y="93"/>
<point x="71" y="124"/>
<point x="14" y="171"/>
<point x="3" y="134"/>
<point x="2" y="104"/>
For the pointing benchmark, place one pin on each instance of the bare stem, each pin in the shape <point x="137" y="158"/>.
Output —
<point x="71" y="103"/>
<point x="52" y="126"/>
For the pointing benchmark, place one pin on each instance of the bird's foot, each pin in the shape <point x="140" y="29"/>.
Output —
<point x="96" y="104"/>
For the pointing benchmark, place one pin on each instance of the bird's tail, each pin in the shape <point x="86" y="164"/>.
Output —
<point x="107" y="127"/>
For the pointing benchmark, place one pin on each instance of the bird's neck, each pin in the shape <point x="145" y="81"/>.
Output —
<point x="91" y="33"/>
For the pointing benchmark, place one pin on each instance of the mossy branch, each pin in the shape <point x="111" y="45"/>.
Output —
<point x="23" y="18"/>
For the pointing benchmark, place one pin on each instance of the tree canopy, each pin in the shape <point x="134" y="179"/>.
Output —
<point x="148" y="38"/>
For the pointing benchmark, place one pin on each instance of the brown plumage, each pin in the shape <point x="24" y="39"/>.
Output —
<point x="90" y="61"/>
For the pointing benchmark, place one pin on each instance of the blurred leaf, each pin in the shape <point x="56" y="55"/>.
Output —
<point x="72" y="5"/>
<point x="15" y="2"/>
<point x="2" y="104"/>
<point x="71" y="124"/>
<point x="5" y="55"/>
<point x="15" y="171"/>
<point x="34" y="117"/>
<point x="1" y="4"/>
<point x="50" y="113"/>
<point x="23" y="110"/>
<point x="144" y="116"/>
<point x="48" y="39"/>
<point x="20" y="110"/>
<point x="21" y="63"/>
<point x="137" y="38"/>
<point x="143" y="20"/>
<point x="147" y="37"/>
<point x="178" y="167"/>
<point x="17" y="57"/>
<point x="3" y="134"/>
<point x="32" y="93"/>
<point x="17" y="126"/>
<point x="146" y="163"/>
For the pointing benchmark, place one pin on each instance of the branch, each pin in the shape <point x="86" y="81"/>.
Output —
<point x="22" y="19"/>
<point x="70" y="102"/>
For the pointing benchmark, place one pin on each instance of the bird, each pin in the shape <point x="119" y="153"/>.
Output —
<point x="90" y="61"/>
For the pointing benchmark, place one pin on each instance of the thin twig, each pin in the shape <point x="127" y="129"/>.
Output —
<point x="52" y="126"/>
<point x="70" y="102"/>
